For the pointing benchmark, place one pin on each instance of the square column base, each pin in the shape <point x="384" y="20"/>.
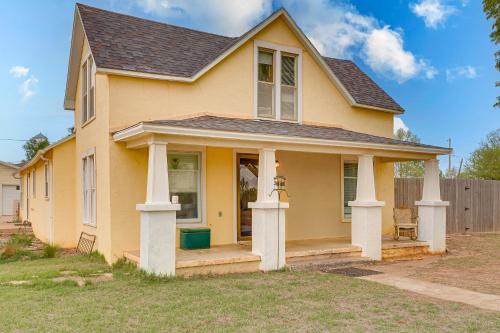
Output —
<point x="432" y="224"/>
<point x="268" y="234"/>
<point x="158" y="231"/>
<point x="366" y="227"/>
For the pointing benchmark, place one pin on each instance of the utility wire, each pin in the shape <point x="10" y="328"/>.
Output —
<point x="5" y="139"/>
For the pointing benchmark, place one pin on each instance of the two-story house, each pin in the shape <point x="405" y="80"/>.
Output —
<point x="179" y="128"/>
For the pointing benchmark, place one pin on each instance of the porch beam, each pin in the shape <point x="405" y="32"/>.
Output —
<point x="158" y="216"/>
<point x="366" y="224"/>
<point x="432" y="210"/>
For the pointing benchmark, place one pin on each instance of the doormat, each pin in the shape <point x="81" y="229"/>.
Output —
<point x="351" y="271"/>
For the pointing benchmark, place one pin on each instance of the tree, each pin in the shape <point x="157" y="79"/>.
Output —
<point x="410" y="169"/>
<point x="33" y="145"/>
<point x="484" y="162"/>
<point x="492" y="10"/>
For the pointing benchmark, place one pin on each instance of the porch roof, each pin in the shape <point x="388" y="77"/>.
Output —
<point x="270" y="130"/>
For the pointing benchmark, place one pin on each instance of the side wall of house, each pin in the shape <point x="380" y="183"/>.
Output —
<point x="64" y="194"/>
<point x="94" y="136"/>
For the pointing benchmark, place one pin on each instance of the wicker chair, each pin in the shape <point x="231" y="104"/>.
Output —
<point x="405" y="224"/>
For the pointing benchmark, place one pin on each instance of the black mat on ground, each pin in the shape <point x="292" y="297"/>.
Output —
<point x="351" y="271"/>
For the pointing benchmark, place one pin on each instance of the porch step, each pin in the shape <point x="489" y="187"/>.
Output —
<point x="323" y="254"/>
<point x="404" y="249"/>
<point x="326" y="264"/>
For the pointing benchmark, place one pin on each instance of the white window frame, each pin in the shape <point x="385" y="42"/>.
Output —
<point x="89" y="217"/>
<point x="343" y="160"/>
<point x="46" y="184"/>
<point x="90" y="80"/>
<point x="277" y="48"/>
<point x="201" y="188"/>
<point x="33" y="183"/>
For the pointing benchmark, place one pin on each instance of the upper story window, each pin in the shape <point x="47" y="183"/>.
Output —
<point x="278" y="81"/>
<point x="88" y="90"/>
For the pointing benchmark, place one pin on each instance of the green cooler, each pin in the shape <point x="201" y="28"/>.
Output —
<point x="192" y="239"/>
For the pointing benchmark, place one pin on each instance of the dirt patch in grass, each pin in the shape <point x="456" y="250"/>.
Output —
<point x="472" y="262"/>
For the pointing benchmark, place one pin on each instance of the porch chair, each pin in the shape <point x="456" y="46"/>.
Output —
<point x="405" y="224"/>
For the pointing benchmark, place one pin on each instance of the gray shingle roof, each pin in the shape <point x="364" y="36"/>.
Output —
<point x="130" y="43"/>
<point x="271" y="127"/>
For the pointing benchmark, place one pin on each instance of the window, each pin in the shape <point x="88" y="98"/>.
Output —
<point x="288" y="87"/>
<point x="89" y="190"/>
<point x="184" y="181"/>
<point x="277" y="90"/>
<point x="265" y="84"/>
<point x="88" y="90"/>
<point x="33" y="186"/>
<point x="46" y="171"/>
<point x="350" y="177"/>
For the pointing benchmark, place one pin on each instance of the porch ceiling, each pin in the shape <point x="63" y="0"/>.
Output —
<point x="254" y="133"/>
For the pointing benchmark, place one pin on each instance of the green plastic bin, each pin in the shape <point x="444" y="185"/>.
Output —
<point x="192" y="239"/>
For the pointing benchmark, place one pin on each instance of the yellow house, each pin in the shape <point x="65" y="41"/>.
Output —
<point x="177" y="128"/>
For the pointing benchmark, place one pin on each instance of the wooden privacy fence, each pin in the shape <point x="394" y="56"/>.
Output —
<point x="474" y="204"/>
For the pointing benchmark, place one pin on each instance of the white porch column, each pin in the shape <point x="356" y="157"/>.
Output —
<point x="432" y="210"/>
<point x="158" y="216"/>
<point x="268" y="216"/>
<point x="366" y="228"/>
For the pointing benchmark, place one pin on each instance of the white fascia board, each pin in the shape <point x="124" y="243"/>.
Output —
<point x="141" y="128"/>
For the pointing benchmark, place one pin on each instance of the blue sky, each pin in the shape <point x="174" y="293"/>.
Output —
<point x="433" y="56"/>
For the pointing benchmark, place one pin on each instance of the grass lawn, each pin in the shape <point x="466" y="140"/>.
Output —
<point x="279" y="301"/>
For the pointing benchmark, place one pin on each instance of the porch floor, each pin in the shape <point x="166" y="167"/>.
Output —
<point x="241" y="254"/>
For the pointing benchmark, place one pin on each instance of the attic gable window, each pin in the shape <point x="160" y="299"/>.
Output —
<point x="278" y="82"/>
<point x="88" y="90"/>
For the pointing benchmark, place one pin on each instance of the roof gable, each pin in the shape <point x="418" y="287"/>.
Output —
<point x="127" y="45"/>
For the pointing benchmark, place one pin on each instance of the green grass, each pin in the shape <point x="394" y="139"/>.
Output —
<point x="280" y="301"/>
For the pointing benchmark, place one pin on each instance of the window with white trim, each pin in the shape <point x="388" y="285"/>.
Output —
<point x="46" y="182"/>
<point x="184" y="179"/>
<point x="278" y="86"/>
<point x="289" y="86"/>
<point x="33" y="185"/>
<point x="265" y="85"/>
<point x="349" y="181"/>
<point x="89" y="189"/>
<point x="88" y="90"/>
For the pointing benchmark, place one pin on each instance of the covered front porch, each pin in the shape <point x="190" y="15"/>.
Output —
<point x="280" y="233"/>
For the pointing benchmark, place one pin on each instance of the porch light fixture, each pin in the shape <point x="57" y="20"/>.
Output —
<point x="277" y="164"/>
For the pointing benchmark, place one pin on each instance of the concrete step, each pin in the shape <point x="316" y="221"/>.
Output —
<point x="326" y="264"/>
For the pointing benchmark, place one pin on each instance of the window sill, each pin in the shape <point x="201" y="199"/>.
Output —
<point x="88" y="121"/>
<point x="346" y="220"/>
<point x="185" y="224"/>
<point x="90" y="225"/>
<point x="280" y="120"/>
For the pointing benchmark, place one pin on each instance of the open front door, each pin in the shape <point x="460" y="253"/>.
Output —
<point x="248" y="172"/>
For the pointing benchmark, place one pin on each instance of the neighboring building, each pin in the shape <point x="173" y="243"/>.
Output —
<point x="10" y="193"/>
<point x="164" y="112"/>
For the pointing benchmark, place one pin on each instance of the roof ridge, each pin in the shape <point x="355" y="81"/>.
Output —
<point x="154" y="21"/>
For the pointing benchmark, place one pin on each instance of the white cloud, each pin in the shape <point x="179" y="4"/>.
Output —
<point x="434" y="12"/>
<point x="467" y="72"/>
<point x="26" y="89"/>
<point x="19" y="71"/>
<point x="398" y="124"/>
<point x="339" y="30"/>
<point x="228" y="17"/>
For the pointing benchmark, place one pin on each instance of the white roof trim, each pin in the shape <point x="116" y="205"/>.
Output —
<point x="69" y="103"/>
<point x="142" y="128"/>
<point x="41" y="152"/>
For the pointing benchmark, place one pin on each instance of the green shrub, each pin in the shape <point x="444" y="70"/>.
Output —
<point x="21" y="240"/>
<point x="49" y="251"/>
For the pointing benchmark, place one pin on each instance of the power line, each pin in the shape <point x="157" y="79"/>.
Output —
<point x="6" y="139"/>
